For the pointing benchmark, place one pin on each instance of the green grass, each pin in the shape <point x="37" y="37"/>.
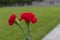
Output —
<point x="48" y="18"/>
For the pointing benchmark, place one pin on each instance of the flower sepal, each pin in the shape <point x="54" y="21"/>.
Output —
<point x="17" y="22"/>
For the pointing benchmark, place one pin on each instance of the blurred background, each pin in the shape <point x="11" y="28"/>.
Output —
<point x="29" y="2"/>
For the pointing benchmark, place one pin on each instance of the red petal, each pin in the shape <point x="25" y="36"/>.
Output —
<point x="34" y="20"/>
<point x="12" y="19"/>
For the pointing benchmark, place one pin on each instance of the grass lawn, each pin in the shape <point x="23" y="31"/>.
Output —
<point x="48" y="18"/>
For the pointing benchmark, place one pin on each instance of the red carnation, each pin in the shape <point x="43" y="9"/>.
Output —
<point x="11" y="20"/>
<point x="28" y="16"/>
<point x="34" y="20"/>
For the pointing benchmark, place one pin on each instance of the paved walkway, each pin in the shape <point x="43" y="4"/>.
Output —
<point x="54" y="34"/>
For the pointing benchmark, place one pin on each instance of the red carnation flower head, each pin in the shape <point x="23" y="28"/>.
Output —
<point x="28" y="16"/>
<point x="34" y="20"/>
<point x="11" y="20"/>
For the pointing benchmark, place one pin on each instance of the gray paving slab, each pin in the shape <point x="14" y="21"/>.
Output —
<point x="54" y="34"/>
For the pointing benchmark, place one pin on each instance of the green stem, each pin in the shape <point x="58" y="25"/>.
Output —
<point x="29" y="31"/>
<point x="17" y="22"/>
<point x="23" y="31"/>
